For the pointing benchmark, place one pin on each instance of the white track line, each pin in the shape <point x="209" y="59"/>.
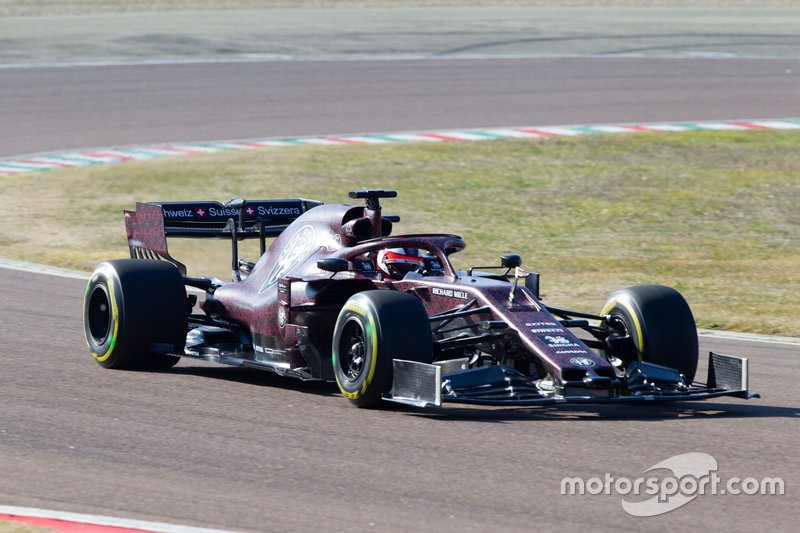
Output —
<point x="747" y="337"/>
<point x="35" y="268"/>
<point x="109" y="521"/>
<point x="356" y="58"/>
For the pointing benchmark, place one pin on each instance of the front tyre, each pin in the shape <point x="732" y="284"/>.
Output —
<point x="135" y="310"/>
<point x="653" y="324"/>
<point x="373" y="328"/>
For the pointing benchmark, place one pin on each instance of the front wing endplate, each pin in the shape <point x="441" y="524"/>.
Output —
<point x="424" y="385"/>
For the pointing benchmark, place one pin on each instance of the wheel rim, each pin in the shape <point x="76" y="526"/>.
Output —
<point x="624" y="350"/>
<point x="99" y="314"/>
<point x="352" y="350"/>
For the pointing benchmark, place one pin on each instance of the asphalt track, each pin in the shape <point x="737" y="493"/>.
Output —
<point x="234" y="449"/>
<point x="226" y="448"/>
<point x="57" y="108"/>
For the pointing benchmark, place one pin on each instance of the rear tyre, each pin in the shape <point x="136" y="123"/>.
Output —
<point x="659" y="325"/>
<point x="134" y="311"/>
<point x="373" y="328"/>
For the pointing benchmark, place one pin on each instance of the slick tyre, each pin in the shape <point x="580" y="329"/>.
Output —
<point x="373" y="328"/>
<point x="135" y="310"/>
<point x="659" y="324"/>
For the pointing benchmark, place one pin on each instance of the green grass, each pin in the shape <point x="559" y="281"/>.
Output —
<point x="713" y="214"/>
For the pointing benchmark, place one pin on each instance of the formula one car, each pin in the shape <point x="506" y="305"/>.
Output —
<point x="336" y="297"/>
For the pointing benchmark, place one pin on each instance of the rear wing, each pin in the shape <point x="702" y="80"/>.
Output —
<point x="151" y="223"/>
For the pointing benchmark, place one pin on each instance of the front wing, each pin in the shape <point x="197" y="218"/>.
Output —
<point x="424" y="385"/>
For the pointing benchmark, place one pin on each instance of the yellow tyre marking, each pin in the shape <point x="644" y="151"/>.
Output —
<point x="370" y="330"/>
<point x="354" y="307"/>
<point x="371" y="326"/>
<point x="335" y="361"/>
<point x="114" y="315"/>
<point x="349" y="395"/>
<point x="85" y="297"/>
<point x="625" y="302"/>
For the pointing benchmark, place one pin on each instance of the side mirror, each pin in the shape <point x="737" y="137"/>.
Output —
<point x="333" y="264"/>
<point x="511" y="260"/>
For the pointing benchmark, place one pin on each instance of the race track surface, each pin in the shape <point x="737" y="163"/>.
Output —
<point x="235" y="449"/>
<point x="51" y="109"/>
<point x="220" y="447"/>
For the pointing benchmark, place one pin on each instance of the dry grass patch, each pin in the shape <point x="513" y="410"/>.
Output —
<point x="14" y="527"/>
<point x="713" y="214"/>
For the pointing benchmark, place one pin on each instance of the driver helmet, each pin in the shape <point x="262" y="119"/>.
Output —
<point x="397" y="262"/>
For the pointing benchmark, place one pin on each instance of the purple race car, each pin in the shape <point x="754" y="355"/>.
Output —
<point x="336" y="297"/>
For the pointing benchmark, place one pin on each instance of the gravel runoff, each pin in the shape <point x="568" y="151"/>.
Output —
<point x="77" y="7"/>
